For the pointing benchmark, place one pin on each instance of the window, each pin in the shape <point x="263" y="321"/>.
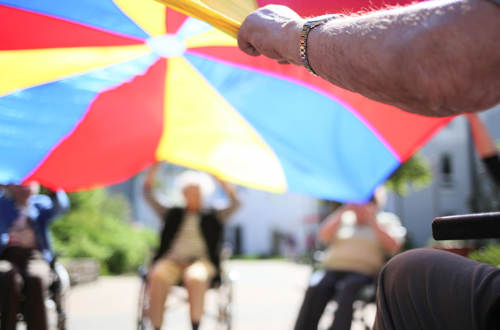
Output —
<point x="446" y="171"/>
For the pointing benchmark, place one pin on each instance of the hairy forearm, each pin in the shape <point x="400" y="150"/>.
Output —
<point x="435" y="58"/>
<point x="429" y="58"/>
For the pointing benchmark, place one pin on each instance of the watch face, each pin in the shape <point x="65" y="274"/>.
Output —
<point x="322" y="18"/>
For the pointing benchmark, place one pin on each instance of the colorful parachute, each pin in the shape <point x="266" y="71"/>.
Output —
<point x="93" y="91"/>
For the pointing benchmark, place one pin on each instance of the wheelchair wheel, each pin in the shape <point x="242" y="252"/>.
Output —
<point x="225" y="303"/>
<point x="143" y="321"/>
<point x="59" y="292"/>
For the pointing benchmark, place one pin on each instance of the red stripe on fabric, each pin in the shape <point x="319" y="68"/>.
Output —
<point x="174" y="20"/>
<point x="117" y="138"/>
<point x="26" y="30"/>
<point x="307" y="8"/>
<point x="404" y="132"/>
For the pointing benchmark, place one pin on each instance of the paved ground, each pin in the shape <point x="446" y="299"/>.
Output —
<point x="267" y="296"/>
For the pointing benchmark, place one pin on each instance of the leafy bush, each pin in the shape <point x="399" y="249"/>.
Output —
<point x="99" y="226"/>
<point x="415" y="173"/>
<point x="489" y="255"/>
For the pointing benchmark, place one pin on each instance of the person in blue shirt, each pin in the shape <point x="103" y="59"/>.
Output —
<point x="26" y="252"/>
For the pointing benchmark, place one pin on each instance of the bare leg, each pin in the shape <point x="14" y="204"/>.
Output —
<point x="164" y="275"/>
<point x="197" y="279"/>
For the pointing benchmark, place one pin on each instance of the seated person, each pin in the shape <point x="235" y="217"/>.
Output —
<point x="360" y="238"/>
<point x="25" y="252"/>
<point x="190" y="243"/>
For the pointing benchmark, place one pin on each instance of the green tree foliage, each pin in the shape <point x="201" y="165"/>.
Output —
<point x="99" y="226"/>
<point x="414" y="174"/>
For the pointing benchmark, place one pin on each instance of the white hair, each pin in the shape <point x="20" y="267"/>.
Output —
<point x="195" y="178"/>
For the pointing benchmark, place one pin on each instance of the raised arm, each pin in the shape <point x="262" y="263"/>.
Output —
<point x="234" y="202"/>
<point x="332" y="224"/>
<point x="391" y="244"/>
<point x="159" y="208"/>
<point x="435" y="58"/>
<point x="57" y="204"/>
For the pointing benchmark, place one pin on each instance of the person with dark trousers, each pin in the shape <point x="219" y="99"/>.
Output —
<point x="26" y="252"/>
<point x="190" y="244"/>
<point x="361" y="238"/>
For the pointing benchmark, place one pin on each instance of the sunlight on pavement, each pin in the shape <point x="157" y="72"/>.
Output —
<point x="267" y="296"/>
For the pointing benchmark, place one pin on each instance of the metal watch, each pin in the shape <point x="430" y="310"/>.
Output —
<point x="308" y="26"/>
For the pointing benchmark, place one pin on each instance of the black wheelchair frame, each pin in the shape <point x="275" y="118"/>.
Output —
<point x="57" y="295"/>
<point x="366" y="296"/>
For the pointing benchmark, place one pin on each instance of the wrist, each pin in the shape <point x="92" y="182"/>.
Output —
<point x="307" y="29"/>
<point x="290" y="39"/>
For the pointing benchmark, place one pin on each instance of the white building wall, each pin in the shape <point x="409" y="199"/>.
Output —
<point x="418" y="209"/>
<point x="263" y="213"/>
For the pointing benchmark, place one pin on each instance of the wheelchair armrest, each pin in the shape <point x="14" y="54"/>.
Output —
<point x="467" y="226"/>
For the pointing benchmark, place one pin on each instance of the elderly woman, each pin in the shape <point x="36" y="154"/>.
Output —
<point x="360" y="238"/>
<point x="190" y="241"/>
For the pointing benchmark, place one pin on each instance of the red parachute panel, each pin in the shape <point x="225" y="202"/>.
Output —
<point x="118" y="136"/>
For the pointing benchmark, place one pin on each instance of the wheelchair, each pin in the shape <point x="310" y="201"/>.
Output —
<point x="222" y="282"/>
<point x="365" y="298"/>
<point x="55" y="303"/>
<point x="58" y="295"/>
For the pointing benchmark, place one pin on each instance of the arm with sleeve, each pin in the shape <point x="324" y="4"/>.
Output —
<point x="158" y="207"/>
<point x="57" y="203"/>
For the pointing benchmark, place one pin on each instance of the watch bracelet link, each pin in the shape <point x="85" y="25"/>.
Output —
<point x="308" y="26"/>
